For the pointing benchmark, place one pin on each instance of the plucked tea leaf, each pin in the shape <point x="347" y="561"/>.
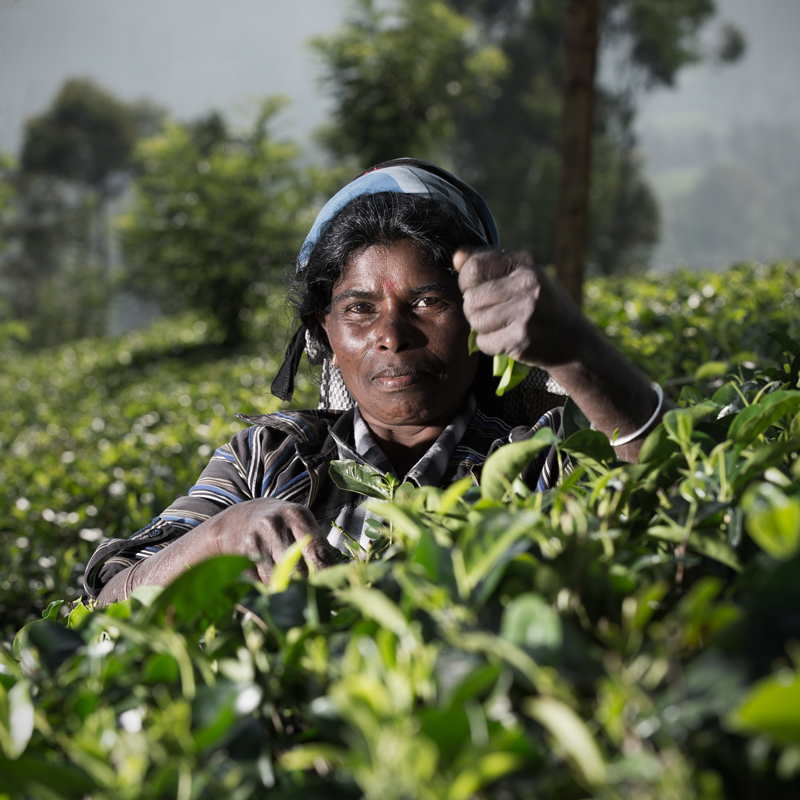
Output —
<point x="362" y="479"/>
<point x="472" y="343"/>
<point x="511" y="373"/>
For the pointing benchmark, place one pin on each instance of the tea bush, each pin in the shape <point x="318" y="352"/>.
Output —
<point x="632" y="633"/>
<point x="688" y="324"/>
<point x="98" y="437"/>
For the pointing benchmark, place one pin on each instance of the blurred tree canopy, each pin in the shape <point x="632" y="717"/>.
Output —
<point x="400" y="77"/>
<point x="76" y="157"/>
<point x="494" y="109"/>
<point x="85" y="136"/>
<point x="216" y="214"/>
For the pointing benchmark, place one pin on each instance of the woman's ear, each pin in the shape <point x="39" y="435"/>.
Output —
<point x="322" y="319"/>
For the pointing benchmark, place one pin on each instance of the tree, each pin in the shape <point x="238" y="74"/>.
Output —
<point x="661" y="39"/>
<point x="53" y="288"/>
<point x="10" y="329"/>
<point x="216" y="215"/>
<point x="572" y="222"/>
<point x="47" y="267"/>
<point x="506" y="137"/>
<point x="86" y="136"/>
<point x="398" y="74"/>
<point x="76" y="157"/>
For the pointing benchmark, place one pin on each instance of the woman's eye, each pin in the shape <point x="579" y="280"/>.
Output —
<point x="359" y="308"/>
<point x="427" y="302"/>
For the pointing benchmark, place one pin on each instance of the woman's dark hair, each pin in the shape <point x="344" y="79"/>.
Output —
<point x="376" y="219"/>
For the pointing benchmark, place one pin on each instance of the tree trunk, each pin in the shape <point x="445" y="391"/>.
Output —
<point x="572" y="222"/>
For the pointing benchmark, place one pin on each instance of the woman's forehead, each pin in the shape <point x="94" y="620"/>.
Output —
<point x="403" y="263"/>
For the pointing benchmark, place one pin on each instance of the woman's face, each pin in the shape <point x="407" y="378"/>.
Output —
<point x="400" y="337"/>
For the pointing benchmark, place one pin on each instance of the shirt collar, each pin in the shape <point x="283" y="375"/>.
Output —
<point x="430" y="469"/>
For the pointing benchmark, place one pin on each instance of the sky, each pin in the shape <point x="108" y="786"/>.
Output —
<point x="188" y="55"/>
<point x="710" y="100"/>
<point x="722" y="149"/>
<point x="195" y="55"/>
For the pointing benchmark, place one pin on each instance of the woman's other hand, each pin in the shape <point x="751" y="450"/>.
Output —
<point x="262" y="529"/>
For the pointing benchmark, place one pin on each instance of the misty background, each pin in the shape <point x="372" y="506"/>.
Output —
<point x="721" y="149"/>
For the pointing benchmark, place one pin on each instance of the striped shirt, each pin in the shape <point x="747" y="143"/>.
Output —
<point x="286" y="455"/>
<point x="351" y="515"/>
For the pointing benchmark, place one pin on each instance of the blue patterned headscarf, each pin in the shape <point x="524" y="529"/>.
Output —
<point x="409" y="176"/>
<point x="401" y="176"/>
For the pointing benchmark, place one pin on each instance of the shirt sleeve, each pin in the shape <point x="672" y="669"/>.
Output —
<point x="550" y="466"/>
<point x="234" y="474"/>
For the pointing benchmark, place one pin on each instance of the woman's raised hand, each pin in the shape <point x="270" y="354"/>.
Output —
<point x="514" y="309"/>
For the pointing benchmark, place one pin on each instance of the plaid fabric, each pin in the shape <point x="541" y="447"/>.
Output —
<point x="286" y="455"/>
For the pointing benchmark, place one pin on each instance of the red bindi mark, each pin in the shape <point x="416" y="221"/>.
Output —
<point x="389" y="283"/>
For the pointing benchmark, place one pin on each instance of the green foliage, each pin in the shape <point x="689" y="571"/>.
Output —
<point x="664" y="37"/>
<point x="6" y="189"/>
<point x="479" y="85"/>
<point x="56" y="282"/>
<point x="629" y="634"/>
<point x="510" y="151"/>
<point x="216" y="216"/>
<point x="397" y="74"/>
<point x="685" y="326"/>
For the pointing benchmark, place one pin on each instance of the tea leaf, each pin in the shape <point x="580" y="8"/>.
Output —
<point x="506" y="463"/>
<point x="362" y="479"/>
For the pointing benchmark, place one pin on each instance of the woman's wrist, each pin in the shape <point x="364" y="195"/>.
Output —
<point x="615" y="397"/>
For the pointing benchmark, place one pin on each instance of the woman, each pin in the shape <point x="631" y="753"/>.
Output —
<point x="381" y="307"/>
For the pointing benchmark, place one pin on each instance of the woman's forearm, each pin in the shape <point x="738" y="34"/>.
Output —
<point x="610" y="391"/>
<point x="160" y="568"/>
<point x="262" y="530"/>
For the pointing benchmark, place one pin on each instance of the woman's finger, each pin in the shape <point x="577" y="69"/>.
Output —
<point x="460" y="257"/>
<point x="317" y="551"/>
<point x="488" y="265"/>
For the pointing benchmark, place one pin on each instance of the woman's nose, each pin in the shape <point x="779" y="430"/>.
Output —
<point x="397" y="332"/>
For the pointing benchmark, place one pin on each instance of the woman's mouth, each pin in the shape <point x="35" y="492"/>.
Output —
<point x="396" y="378"/>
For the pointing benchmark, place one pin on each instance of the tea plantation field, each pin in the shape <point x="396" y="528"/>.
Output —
<point x="633" y="633"/>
